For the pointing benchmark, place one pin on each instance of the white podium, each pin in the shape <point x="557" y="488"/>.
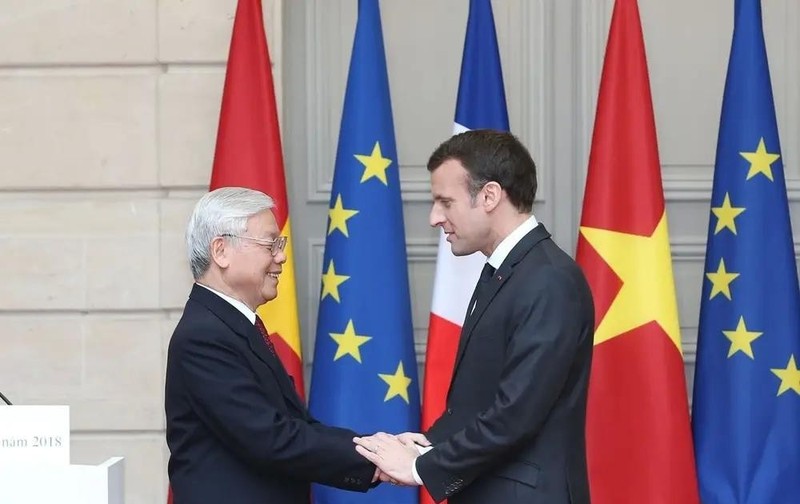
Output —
<point x="34" y="462"/>
<point x="63" y="484"/>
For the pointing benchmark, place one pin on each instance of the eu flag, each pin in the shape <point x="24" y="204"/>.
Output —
<point x="747" y="386"/>
<point x="365" y="371"/>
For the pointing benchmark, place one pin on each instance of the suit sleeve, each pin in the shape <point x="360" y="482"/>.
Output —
<point x="542" y="345"/>
<point x="233" y="405"/>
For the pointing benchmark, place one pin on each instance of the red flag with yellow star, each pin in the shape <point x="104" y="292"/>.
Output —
<point x="639" y="443"/>
<point x="249" y="154"/>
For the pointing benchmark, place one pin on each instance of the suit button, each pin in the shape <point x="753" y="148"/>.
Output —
<point x="449" y="411"/>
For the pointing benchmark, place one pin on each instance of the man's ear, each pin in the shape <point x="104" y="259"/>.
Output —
<point x="492" y="194"/>
<point x="220" y="252"/>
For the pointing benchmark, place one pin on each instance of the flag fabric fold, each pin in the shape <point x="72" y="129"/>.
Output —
<point x="481" y="104"/>
<point x="746" y="409"/>
<point x="365" y="371"/>
<point x="639" y="444"/>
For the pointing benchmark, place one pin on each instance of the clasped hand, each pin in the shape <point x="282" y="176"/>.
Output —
<point x="393" y="455"/>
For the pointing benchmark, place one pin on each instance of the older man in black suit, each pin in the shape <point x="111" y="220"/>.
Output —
<point x="513" y="430"/>
<point x="236" y="429"/>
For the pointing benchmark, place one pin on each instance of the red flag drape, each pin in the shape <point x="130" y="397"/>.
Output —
<point x="249" y="154"/>
<point x="638" y="432"/>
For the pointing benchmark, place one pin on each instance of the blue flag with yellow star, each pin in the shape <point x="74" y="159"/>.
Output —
<point x="746" y="413"/>
<point x="365" y="371"/>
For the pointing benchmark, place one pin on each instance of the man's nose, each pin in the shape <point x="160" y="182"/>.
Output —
<point x="435" y="217"/>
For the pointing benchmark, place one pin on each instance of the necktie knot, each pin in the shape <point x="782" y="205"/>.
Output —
<point x="483" y="283"/>
<point x="487" y="273"/>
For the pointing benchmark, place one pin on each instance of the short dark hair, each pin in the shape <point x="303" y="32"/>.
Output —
<point x="492" y="156"/>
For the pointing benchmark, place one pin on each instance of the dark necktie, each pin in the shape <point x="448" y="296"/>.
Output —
<point x="268" y="340"/>
<point x="265" y="334"/>
<point x="483" y="282"/>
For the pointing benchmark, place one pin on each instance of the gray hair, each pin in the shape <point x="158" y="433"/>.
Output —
<point x="222" y="211"/>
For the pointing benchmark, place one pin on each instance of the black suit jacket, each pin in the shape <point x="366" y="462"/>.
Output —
<point x="513" y="430"/>
<point x="236" y="429"/>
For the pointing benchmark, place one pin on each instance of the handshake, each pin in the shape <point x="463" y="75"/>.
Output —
<point x="394" y="456"/>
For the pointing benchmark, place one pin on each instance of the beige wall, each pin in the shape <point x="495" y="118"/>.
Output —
<point x="108" y="114"/>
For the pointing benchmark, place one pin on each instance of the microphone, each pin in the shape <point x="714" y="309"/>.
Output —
<point x="5" y="399"/>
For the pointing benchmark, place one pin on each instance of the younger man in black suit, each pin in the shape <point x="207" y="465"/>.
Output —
<point x="513" y="429"/>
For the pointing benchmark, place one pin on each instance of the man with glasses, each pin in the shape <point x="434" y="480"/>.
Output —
<point x="236" y="429"/>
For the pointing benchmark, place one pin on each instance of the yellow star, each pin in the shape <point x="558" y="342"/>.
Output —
<point x="760" y="161"/>
<point x="375" y="165"/>
<point x="331" y="282"/>
<point x="644" y="265"/>
<point x="790" y="377"/>
<point x="741" y="339"/>
<point x="349" y="342"/>
<point x="726" y="215"/>
<point x="721" y="281"/>
<point x="398" y="383"/>
<point x="338" y="216"/>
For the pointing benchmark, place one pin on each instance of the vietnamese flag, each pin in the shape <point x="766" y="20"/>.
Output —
<point x="249" y="154"/>
<point x="639" y="444"/>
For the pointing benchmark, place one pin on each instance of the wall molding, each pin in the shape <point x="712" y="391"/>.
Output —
<point x="699" y="189"/>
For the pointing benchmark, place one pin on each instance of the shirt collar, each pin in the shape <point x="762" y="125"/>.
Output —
<point x="509" y="242"/>
<point x="246" y="311"/>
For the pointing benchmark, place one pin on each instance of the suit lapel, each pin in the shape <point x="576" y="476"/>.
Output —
<point x="234" y="319"/>
<point x="483" y="301"/>
<point x="500" y="277"/>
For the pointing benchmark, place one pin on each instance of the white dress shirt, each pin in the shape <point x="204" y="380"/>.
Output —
<point x="509" y="242"/>
<point x="246" y="311"/>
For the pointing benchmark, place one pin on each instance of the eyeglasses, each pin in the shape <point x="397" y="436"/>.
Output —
<point x="274" y="246"/>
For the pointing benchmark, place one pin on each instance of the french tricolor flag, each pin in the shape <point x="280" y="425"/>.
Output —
<point x="481" y="105"/>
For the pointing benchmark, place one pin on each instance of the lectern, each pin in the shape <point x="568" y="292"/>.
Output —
<point x="35" y="465"/>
